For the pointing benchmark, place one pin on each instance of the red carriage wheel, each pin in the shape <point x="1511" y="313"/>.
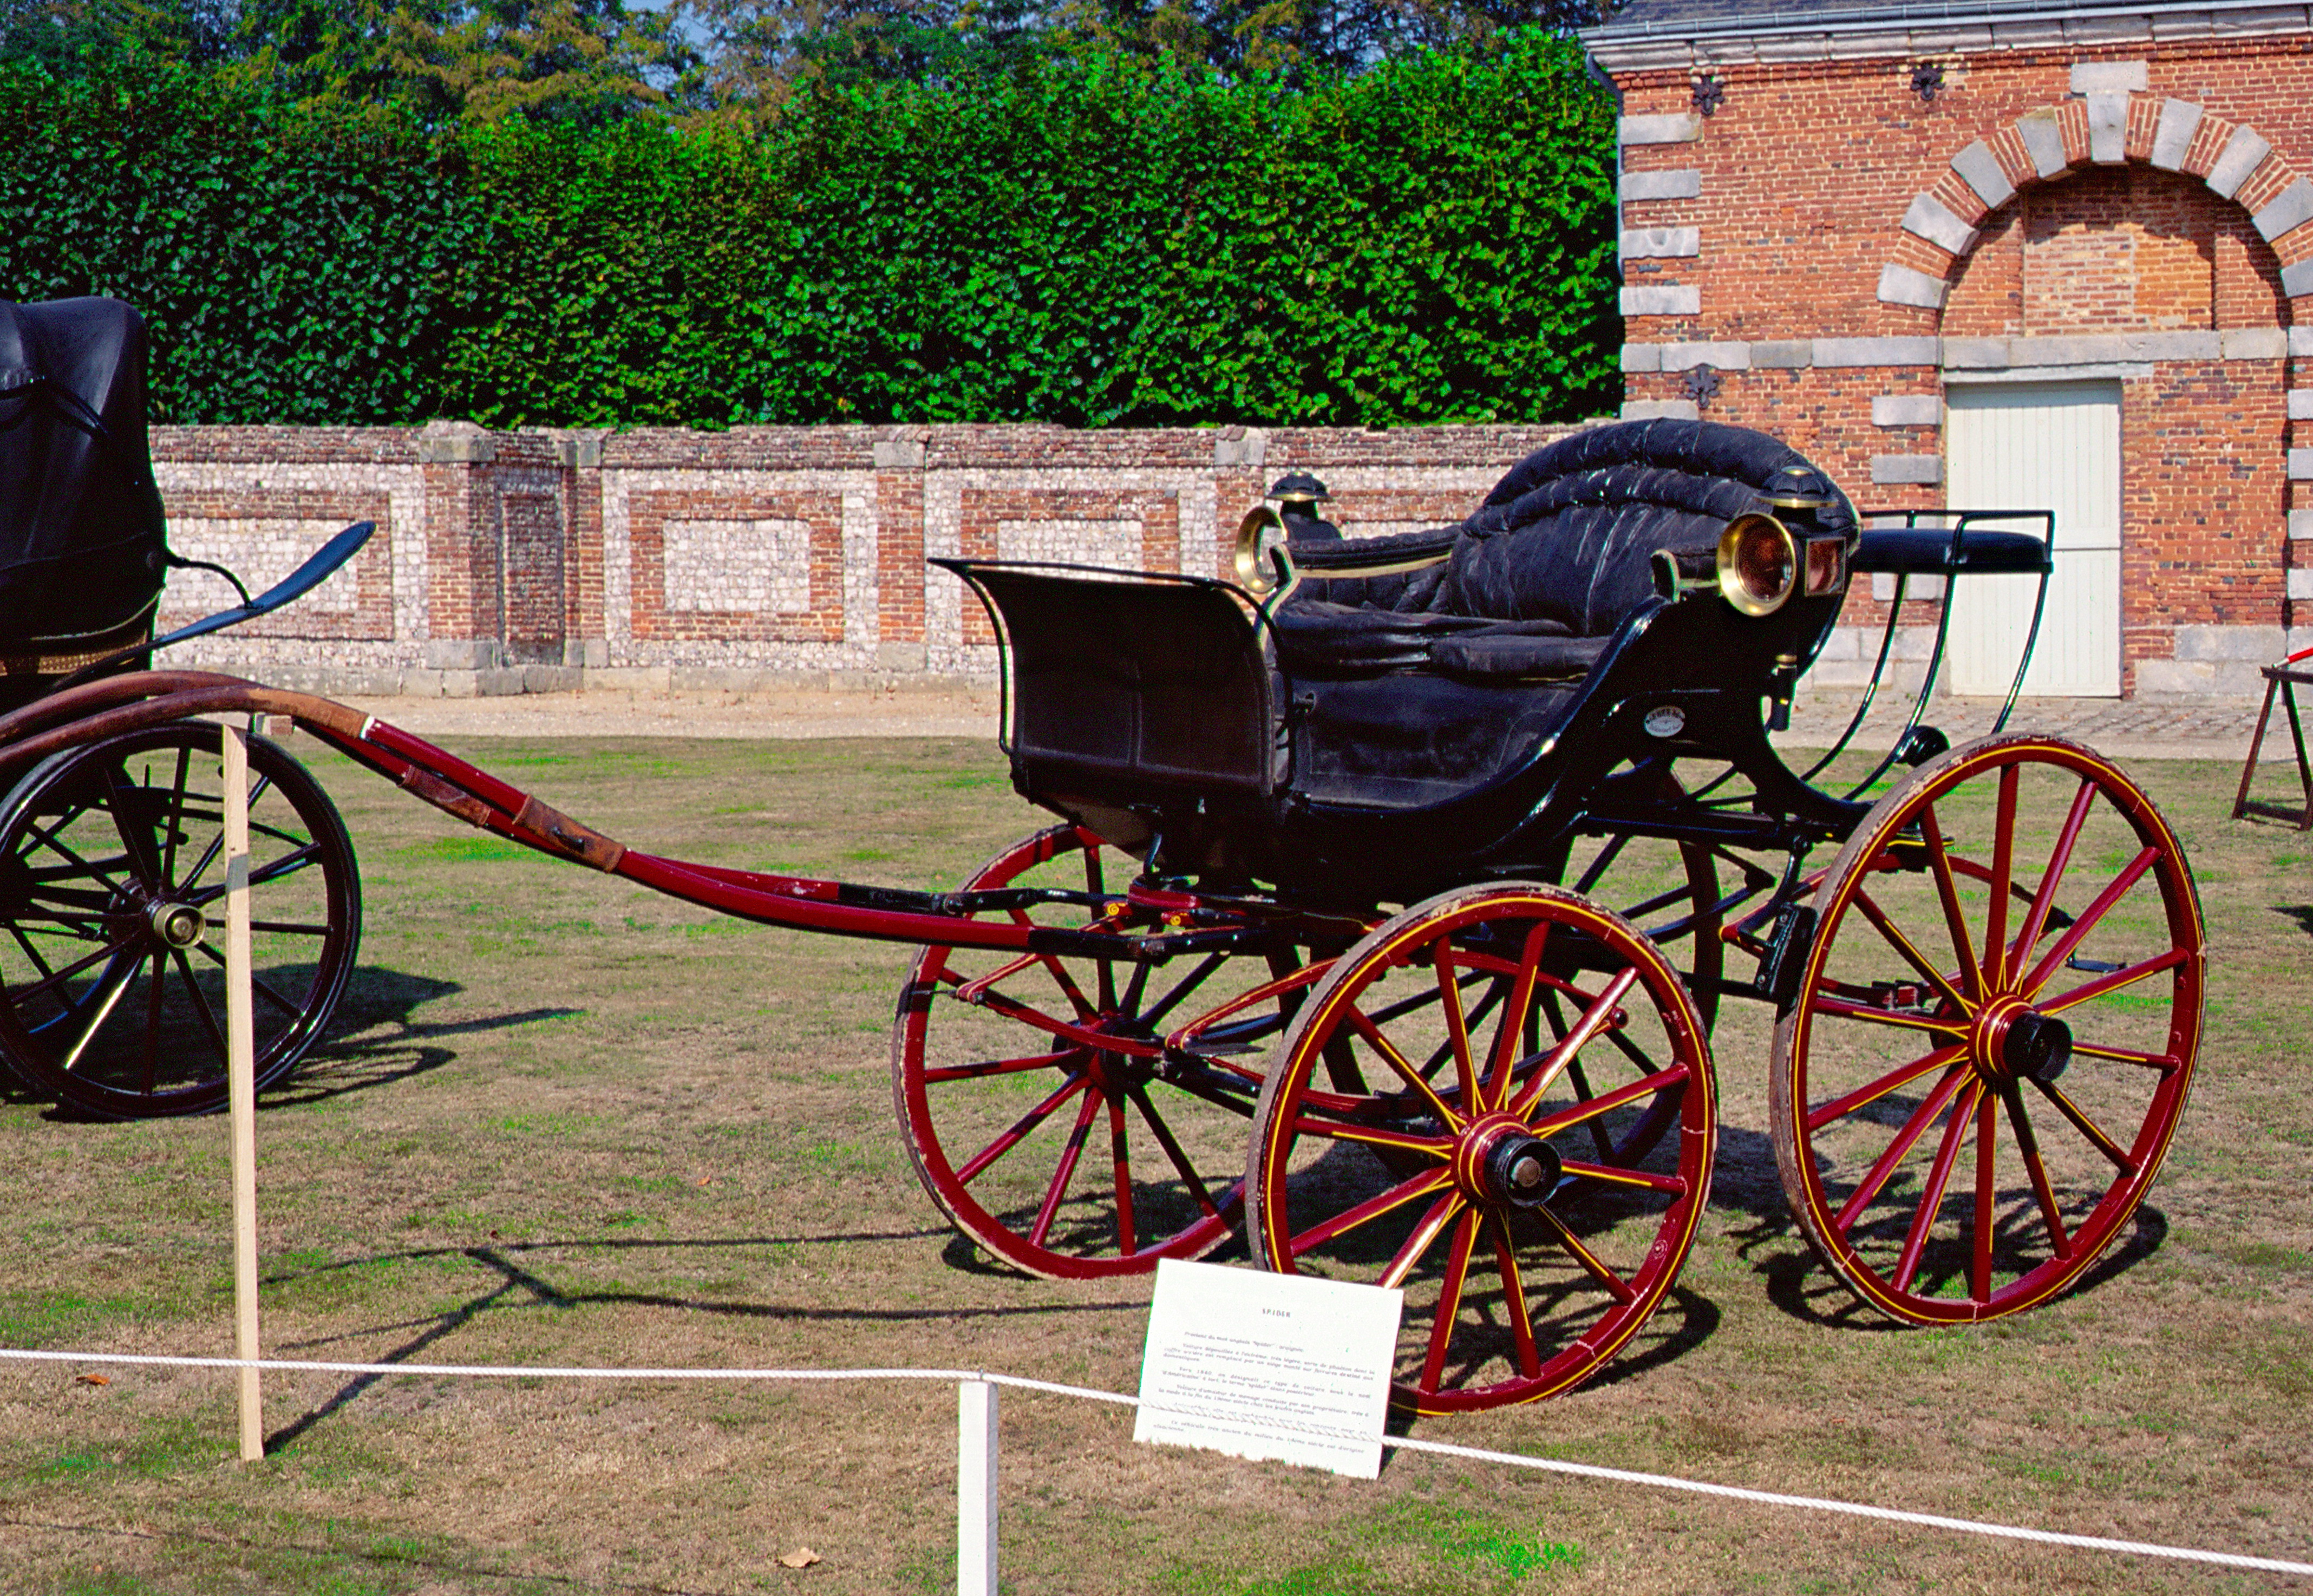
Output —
<point x="1467" y="1175"/>
<point x="1040" y="1102"/>
<point x="112" y="920"/>
<point x="1994" y="1033"/>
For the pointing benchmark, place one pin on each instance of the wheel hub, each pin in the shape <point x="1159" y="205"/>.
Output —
<point x="1118" y="1072"/>
<point x="2012" y="1041"/>
<point x="177" y="924"/>
<point x="1500" y="1162"/>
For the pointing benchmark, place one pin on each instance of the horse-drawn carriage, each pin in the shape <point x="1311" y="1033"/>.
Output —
<point x="1397" y="886"/>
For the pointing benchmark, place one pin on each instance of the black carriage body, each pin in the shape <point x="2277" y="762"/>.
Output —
<point x="1437" y="708"/>
<point x="81" y="531"/>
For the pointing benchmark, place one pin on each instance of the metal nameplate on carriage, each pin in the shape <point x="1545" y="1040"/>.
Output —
<point x="1262" y="1365"/>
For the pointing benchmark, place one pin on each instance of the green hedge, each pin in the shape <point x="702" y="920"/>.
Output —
<point x="1088" y="242"/>
<point x="292" y="267"/>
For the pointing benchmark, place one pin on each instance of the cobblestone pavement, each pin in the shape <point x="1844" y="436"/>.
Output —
<point x="2211" y="728"/>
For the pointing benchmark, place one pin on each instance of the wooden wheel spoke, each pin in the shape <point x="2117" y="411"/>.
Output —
<point x="258" y="984"/>
<point x="1179" y="1160"/>
<point x="1154" y="1014"/>
<point x="1374" y="1207"/>
<point x="31" y="952"/>
<point x="1308" y="1124"/>
<point x="2086" y="1126"/>
<point x="1123" y="1162"/>
<point x="2112" y="981"/>
<point x="1840" y="1008"/>
<point x="1910" y="952"/>
<point x="1616" y="1175"/>
<point x="1404" y="1070"/>
<point x="1426" y="1230"/>
<point x="201" y="1003"/>
<point x="2091" y="918"/>
<point x="2003" y="878"/>
<point x="1510" y="1026"/>
<point x="286" y="864"/>
<point x="1986" y="1192"/>
<point x="1529" y="1356"/>
<point x="1932" y="1196"/>
<point x="1458" y="1027"/>
<point x="1594" y="1020"/>
<point x="2028" y="1147"/>
<point x="1449" y="1299"/>
<point x="2060" y="858"/>
<point x="1071" y="1152"/>
<point x="1902" y="1074"/>
<point x="1868" y="1188"/>
<point x="177" y="786"/>
<point x="1019" y="1128"/>
<point x="1066" y="982"/>
<point x="1608" y="1101"/>
<point x="2165" y="1062"/>
<point x="115" y="987"/>
<point x="1012" y="1008"/>
<point x="1948" y="892"/>
<point x="55" y="978"/>
<point x="74" y="867"/>
<point x="156" y="970"/>
<point x="121" y="801"/>
<point x="1616" y="1287"/>
<point x="933" y="1075"/>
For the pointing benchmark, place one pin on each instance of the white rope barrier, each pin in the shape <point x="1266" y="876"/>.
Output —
<point x="976" y="1431"/>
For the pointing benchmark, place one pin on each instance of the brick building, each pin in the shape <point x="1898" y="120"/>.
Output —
<point x="1985" y="253"/>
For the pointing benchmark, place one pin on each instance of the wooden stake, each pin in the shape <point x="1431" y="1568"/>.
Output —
<point x="241" y="1086"/>
<point x="975" y="1488"/>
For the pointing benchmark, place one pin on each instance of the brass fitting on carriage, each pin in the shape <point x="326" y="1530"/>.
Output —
<point x="1760" y="563"/>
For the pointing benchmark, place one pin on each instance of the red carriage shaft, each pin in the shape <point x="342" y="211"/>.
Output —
<point x="131" y="702"/>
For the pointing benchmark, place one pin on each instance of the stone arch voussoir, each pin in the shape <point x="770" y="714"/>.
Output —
<point x="1945" y="220"/>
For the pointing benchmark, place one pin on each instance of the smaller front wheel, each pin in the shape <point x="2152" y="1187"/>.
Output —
<point x="1472" y="1172"/>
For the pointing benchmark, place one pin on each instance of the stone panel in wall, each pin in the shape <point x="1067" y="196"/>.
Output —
<point x="715" y="567"/>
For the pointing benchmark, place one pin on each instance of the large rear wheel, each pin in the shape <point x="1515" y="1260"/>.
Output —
<point x="1994" y="1034"/>
<point x="1052" y="1105"/>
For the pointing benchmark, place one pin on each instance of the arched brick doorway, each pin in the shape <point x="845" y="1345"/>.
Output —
<point x="2135" y="251"/>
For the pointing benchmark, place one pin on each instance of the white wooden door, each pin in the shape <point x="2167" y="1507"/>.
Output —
<point x="2039" y="446"/>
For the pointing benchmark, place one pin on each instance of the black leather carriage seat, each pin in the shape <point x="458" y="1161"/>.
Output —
<point x="1415" y="685"/>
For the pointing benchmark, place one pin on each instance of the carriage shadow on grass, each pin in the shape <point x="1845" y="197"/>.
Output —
<point x="1798" y="1285"/>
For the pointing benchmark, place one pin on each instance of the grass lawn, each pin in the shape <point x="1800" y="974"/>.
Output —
<point x="566" y="1122"/>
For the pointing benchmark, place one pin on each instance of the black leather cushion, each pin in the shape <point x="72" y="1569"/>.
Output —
<point x="1369" y="637"/>
<point x="1508" y="654"/>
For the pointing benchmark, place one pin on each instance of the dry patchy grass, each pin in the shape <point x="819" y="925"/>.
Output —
<point x="570" y="1123"/>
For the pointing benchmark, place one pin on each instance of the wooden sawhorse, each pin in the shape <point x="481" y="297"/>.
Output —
<point x="2282" y="678"/>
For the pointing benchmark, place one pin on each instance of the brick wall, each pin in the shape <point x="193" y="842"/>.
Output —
<point x="746" y="559"/>
<point x="1828" y="250"/>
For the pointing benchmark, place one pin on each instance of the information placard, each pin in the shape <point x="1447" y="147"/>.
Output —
<point x="1261" y="1366"/>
